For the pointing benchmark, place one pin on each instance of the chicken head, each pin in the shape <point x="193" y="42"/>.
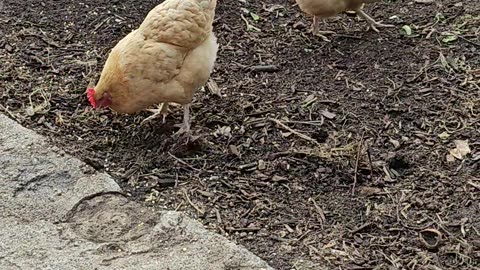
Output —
<point x="104" y="101"/>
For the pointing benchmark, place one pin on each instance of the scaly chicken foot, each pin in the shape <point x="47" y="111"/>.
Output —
<point x="373" y="24"/>
<point x="185" y="128"/>
<point x="316" y="29"/>
<point x="161" y="110"/>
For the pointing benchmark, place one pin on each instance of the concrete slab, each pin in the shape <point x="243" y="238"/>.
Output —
<point x="58" y="213"/>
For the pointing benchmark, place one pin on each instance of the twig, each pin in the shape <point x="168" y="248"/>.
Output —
<point x="348" y="36"/>
<point x="361" y="227"/>
<point x="43" y="37"/>
<point x="313" y="123"/>
<point x="249" y="26"/>
<point x="318" y="209"/>
<point x="394" y="264"/>
<point x="247" y="166"/>
<point x="301" y="135"/>
<point x="356" y="164"/>
<point x="469" y="41"/>
<point x="100" y="24"/>
<point x="370" y="162"/>
<point x="254" y="229"/>
<point x="267" y="68"/>
<point x="183" y="162"/>
<point x="200" y="211"/>
<point x="8" y="112"/>
<point x="474" y="185"/>
<point x="219" y="217"/>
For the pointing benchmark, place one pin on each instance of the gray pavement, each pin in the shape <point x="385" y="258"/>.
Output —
<point x="56" y="212"/>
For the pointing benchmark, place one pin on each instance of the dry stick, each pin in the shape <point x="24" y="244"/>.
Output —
<point x="469" y="41"/>
<point x="267" y="68"/>
<point x="303" y="136"/>
<point x="370" y="162"/>
<point x="183" y="162"/>
<point x="243" y="229"/>
<point x="361" y="227"/>
<point x="356" y="164"/>
<point x="473" y="185"/>
<point x="321" y="216"/>
<point x="249" y="26"/>
<point x="8" y="111"/>
<point x="200" y="211"/>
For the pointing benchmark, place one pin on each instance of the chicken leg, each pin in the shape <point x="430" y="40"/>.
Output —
<point x="185" y="128"/>
<point x="316" y="29"/>
<point x="162" y="109"/>
<point x="374" y="24"/>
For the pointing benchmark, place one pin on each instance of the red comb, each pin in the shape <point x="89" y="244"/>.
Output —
<point x="90" y="93"/>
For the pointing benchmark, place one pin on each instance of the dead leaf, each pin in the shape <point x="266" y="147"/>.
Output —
<point x="328" y="114"/>
<point x="213" y="88"/>
<point x="395" y="143"/>
<point x="461" y="150"/>
<point x="223" y="131"/>
<point x="277" y="178"/>
<point x="262" y="165"/>
<point x="309" y="100"/>
<point x="444" y="135"/>
<point x="59" y="119"/>
<point x="370" y="191"/>
<point x="234" y="150"/>
<point x="450" y="158"/>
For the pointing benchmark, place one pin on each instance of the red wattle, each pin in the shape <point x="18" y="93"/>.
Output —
<point x="90" y="96"/>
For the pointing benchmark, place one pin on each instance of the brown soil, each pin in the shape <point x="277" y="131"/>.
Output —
<point x="404" y="99"/>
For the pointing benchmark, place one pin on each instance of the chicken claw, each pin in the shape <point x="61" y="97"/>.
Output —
<point x="315" y="29"/>
<point x="161" y="110"/>
<point x="185" y="128"/>
<point x="373" y="24"/>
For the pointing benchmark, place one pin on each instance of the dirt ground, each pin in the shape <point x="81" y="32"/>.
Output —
<point x="316" y="154"/>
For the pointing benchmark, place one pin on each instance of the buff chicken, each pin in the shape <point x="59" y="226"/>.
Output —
<point x="328" y="8"/>
<point x="165" y="60"/>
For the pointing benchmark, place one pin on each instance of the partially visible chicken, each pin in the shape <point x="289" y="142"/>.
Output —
<point x="165" y="60"/>
<point x="328" y="8"/>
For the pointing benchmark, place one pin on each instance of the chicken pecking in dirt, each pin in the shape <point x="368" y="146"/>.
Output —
<point x="327" y="8"/>
<point x="165" y="60"/>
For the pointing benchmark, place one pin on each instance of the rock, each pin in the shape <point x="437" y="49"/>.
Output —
<point x="58" y="213"/>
